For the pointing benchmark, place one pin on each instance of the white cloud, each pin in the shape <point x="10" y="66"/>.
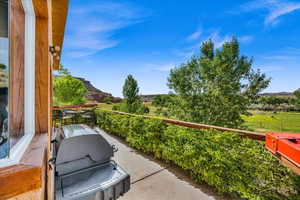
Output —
<point x="275" y="9"/>
<point x="214" y="35"/>
<point x="186" y="53"/>
<point x="286" y="54"/>
<point x="271" y="68"/>
<point x="194" y="36"/>
<point x="165" y="67"/>
<point x="284" y="59"/>
<point x="217" y="38"/>
<point x="91" y="28"/>
<point x="245" y="39"/>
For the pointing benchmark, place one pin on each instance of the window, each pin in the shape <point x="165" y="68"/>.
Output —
<point x="4" y="66"/>
<point x="17" y="59"/>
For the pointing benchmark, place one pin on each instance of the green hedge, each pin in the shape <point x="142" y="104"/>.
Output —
<point x="234" y="165"/>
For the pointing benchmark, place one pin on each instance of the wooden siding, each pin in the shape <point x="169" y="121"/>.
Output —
<point x="29" y="174"/>
<point x="16" y="97"/>
<point x="59" y="16"/>
<point x="42" y="75"/>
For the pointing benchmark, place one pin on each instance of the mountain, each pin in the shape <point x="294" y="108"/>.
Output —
<point x="150" y="97"/>
<point x="280" y="94"/>
<point x="95" y="95"/>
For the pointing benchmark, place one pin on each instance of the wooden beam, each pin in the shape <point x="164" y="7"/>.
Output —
<point x="59" y="17"/>
<point x="40" y="8"/>
<point x="29" y="174"/>
<point x="290" y="165"/>
<point x="17" y="59"/>
<point x="42" y="73"/>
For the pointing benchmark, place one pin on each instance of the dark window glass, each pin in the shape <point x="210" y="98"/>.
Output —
<point x="4" y="66"/>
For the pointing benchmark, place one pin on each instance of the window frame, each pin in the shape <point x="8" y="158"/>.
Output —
<point x="16" y="152"/>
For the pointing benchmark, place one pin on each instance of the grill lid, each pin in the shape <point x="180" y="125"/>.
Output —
<point x="82" y="151"/>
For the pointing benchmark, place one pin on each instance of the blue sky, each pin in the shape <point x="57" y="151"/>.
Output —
<point x="107" y="40"/>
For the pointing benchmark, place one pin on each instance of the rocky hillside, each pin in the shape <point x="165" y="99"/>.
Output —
<point x="148" y="98"/>
<point x="95" y="95"/>
<point x="280" y="94"/>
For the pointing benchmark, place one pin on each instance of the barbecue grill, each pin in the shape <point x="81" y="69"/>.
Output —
<point x="84" y="168"/>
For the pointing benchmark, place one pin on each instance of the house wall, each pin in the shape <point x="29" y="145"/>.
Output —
<point x="28" y="179"/>
<point x="17" y="44"/>
<point x="32" y="195"/>
<point x="43" y="73"/>
<point x="31" y="178"/>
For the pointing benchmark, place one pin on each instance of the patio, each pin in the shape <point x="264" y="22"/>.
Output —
<point x="150" y="178"/>
<point x="153" y="180"/>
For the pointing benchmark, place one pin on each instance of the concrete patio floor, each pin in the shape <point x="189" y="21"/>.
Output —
<point x="151" y="180"/>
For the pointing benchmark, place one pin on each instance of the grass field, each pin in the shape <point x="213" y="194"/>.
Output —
<point x="260" y="121"/>
<point x="269" y="121"/>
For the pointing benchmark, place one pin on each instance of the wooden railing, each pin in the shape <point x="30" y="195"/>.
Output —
<point x="244" y="133"/>
<point x="75" y="106"/>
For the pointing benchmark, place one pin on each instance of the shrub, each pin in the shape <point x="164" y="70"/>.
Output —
<point x="108" y="100"/>
<point x="232" y="164"/>
<point x="143" y="109"/>
<point x="116" y="107"/>
<point x="137" y="107"/>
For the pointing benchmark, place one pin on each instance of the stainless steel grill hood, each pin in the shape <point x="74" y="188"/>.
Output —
<point x="84" y="168"/>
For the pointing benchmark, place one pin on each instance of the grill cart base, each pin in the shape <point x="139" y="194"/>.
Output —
<point x="83" y="166"/>
<point x="104" y="182"/>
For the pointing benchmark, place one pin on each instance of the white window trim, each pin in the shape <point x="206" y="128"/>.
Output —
<point x="17" y="151"/>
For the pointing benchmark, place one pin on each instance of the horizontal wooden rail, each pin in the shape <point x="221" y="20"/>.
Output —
<point x="75" y="106"/>
<point x="244" y="133"/>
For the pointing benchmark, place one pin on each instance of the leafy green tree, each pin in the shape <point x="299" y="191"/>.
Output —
<point x="131" y="90"/>
<point x="2" y="66"/>
<point x="297" y="99"/>
<point x="108" y="100"/>
<point x="63" y="71"/>
<point x="216" y="87"/>
<point x="132" y="101"/>
<point x="162" y="100"/>
<point x="68" y="90"/>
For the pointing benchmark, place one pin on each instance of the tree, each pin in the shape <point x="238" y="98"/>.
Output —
<point x="63" y="71"/>
<point x="2" y="66"/>
<point x="108" y="100"/>
<point x="162" y="102"/>
<point x="216" y="87"/>
<point x="68" y="90"/>
<point x="132" y="102"/>
<point x="131" y="90"/>
<point x="297" y="99"/>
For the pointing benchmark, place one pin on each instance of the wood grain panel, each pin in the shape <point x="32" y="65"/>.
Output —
<point x="32" y="195"/>
<point x="42" y="75"/>
<point x="40" y="8"/>
<point x="59" y="15"/>
<point x="16" y="97"/>
<point x="29" y="174"/>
